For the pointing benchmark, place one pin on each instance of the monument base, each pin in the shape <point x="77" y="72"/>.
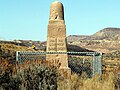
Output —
<point x="60" y="60"/>
<point x="65" y="82"/>
<point x="65" y="72"/>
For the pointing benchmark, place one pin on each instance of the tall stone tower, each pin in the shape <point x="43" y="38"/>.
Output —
<point x="56" y="37"/>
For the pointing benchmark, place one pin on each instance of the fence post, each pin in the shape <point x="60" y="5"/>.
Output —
<point x="100" y="63"/>
<point x="97" y="64"/>
<point x="17" y="56"/>
<point x="17" y="59"/>
<point x="94" y="65"/>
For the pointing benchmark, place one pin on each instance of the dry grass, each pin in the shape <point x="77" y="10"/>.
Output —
<point x="94" y="83"/>
<point x="11" y="47"/>
<point x="19" y="73"/>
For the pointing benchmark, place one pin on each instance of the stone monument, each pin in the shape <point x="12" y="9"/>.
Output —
<point x="56" y="37"/>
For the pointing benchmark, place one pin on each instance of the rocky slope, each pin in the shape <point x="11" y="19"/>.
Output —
<point x="106" y="34"/>
<point x="72" y="38"/>
<point x="106" y="40"/>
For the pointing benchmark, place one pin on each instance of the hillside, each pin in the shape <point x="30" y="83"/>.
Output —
<point x="106" y="34"/>
<point x="8" y="51"/>
<point x="106" y="40"/>
<point x="72" y="38"/>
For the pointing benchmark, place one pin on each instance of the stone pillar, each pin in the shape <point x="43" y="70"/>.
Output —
<point x="56" y="37"/>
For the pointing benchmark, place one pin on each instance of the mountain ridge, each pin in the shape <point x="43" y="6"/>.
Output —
<point x="106" y="33"/>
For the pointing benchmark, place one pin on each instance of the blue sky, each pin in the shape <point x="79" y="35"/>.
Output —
<point x="28" y="19"/>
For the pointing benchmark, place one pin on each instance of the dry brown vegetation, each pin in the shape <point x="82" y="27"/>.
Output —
<point x="36" y="75"/>
<point x="31" y="75"/>
<point x="13" y="47"/>
<point x="109" y="82"/>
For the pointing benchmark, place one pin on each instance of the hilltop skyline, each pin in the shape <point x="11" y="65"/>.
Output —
<point x="28" y="20"/>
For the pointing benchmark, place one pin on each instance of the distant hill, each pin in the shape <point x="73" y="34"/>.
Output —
<point x="77" y="37"/>
<point x="106" y="34"/>
<point x="106" y="40"/>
